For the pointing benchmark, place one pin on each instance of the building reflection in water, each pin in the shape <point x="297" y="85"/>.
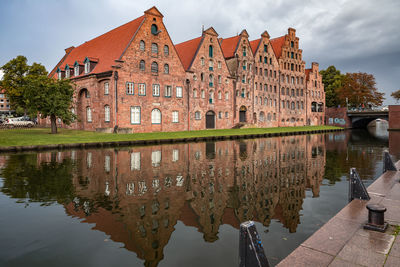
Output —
<point x="137" y="195"/>
<point x="204" y="185"/>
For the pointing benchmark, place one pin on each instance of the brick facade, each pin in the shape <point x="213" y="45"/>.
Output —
<point x="135" y="77"/>
<point x="4" y="103"/>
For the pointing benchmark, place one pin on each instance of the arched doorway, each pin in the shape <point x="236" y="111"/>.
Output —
<point x="81" y="107"/>
<point x="242" y="114"/>
<point x="210" y="119"/>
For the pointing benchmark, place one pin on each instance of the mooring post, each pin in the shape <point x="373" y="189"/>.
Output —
<point x="356" y="187"/>
<point x="251" y="251"/>
<point x="388" y="164"/>
<point x="376" y="218"/>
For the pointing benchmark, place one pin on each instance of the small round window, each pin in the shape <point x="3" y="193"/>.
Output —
<point x="154" y="29"/>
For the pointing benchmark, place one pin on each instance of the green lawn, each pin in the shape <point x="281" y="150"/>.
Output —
<point x="42" y="136"/>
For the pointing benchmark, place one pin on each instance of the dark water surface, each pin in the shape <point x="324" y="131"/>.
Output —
<point x="177" y="205"/>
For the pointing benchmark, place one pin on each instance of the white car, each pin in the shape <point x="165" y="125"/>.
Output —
<point x="18" y="122"/>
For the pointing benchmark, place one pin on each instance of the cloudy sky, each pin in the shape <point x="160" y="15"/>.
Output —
<point x="353" y="35"/>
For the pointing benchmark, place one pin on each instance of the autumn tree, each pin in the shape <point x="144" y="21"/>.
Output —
<point x="396" y="95"/>
<point x="332" y="80"/>
<point x="359" y="89"/>
<point x="15" y="81"/>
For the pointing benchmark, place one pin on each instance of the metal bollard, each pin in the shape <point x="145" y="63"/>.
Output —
<point x="388" y="164"/>
<point x="251" y="251"/>
<point x="357" y="189"/>
<point x="376" y="218"/>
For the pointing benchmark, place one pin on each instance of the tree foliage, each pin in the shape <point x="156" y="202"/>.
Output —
<point x="51" y="98"/>
<point x="31" y="91"/>
<point x="359" y="89"/>
<point x="332" y="80"/>
<point x="396" y="95"/>
<point x="15" y="81"/>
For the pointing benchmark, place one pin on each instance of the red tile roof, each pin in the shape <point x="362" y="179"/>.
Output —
<point x="277" y="44"/>
<point x="106" y="48"/>
<point x="254" y="45"/>
<point x="229" y="46"/>
<point x="187" y="50"/>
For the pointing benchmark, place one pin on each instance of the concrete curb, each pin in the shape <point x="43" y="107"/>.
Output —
<point x="13" y="149"/>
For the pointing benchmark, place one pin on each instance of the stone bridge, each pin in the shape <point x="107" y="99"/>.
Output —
<point x="359" y="119"/>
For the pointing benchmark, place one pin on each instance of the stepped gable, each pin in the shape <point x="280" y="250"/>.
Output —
<point x="105" y="48"/>
<point x="277" y="44"/>
<point x="187" y="51"/>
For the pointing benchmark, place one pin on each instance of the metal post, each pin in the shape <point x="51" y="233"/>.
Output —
<point x="251" y="251"/>
<point x="357" y="189"/>
<point x="376" y="218"/>
<point x="388" y="164"/>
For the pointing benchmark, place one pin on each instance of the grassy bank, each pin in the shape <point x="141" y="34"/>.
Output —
<point x="42" y="136"/>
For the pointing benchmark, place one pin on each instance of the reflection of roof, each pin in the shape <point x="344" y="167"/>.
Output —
<point x="277" y="44"/>
<point x="187" y="51"/>
<point x="105" y="48"/>
<point x="229" y="217"/>
<point x="229" y="46"/>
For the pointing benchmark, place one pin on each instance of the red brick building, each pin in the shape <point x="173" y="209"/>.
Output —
<point x="4" y="103"/>
<point x="134" y="77"/>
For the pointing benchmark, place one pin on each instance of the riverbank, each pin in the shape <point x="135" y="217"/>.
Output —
<point x="12" y="140"/>
<point x="342" y="241"/>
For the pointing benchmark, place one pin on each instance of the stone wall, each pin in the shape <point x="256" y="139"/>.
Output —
<point x="337" y="117"/>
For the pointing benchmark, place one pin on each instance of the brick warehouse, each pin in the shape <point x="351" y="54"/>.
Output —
<point x="134" y="77"/>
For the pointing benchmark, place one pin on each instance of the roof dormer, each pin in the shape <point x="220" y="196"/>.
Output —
<point x="77" y="68"/>
<point x="59" y="73"/>
<point x="67" y="72"/>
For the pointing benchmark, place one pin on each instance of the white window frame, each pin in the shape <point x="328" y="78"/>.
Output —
<point x="168" y="91"/>
<point x="156" y="116"/>
<point x="156" y="89"/>
<point x="156" y="158"/>
<point x="197" y="115"/>
<point x="142" y="89"/>
<point x="175" y="155"/>
<point x="107" y="113"/>
<point x="136" y="115"/>
<point x="76" y="70"/>
<point x="87" y="67"/>
<point x="179" y="91"/>
<point x="175" y="116"/>
<point x="89" y="114"/>
<point x="130" y="88"/>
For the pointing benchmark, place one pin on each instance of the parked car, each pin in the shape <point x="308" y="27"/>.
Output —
<point x="18" y="122"/>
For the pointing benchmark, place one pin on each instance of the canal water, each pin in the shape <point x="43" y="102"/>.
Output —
<point x="180" y="204"/>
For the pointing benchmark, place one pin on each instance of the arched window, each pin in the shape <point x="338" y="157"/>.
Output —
<point x="166" y="50"/>
<point x="154" y="67"/>
<point x="219" y="95"/>
<point x="154" y="29"/>
<point x="210" y="51"/>
<point x="202" y="77"/>
<point x="203" y="94"/>
<point x="166" y="68"/>
<point x="202" y="61"/>
<point x="88" y="114"/>
<point x="293" y="106"/>
<point x="87" y="66"/>
<point x="194" y="93"/>
<point x="211" y="80"/>
<point x="155" y="116"/>
<point x="154" y="48"/>
<point x="269" y="117"/>
<point x="107" y="113"/>
<point x="211" y="99"/>
<point x="142" y="65"/>
<point x="106" y="88"/>
<point x="292" y="92"/>
<point x="262" y="116"/>
<point x="227" y="96"/>
<point x="142" y="45"/>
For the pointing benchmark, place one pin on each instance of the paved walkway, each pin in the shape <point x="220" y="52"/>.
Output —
<point x="342" y="241"/>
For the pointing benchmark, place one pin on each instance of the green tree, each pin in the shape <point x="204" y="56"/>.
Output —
<point x="50" y="98"/>
<point x="396" y="95"/>
<point x="332" y="80"/>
